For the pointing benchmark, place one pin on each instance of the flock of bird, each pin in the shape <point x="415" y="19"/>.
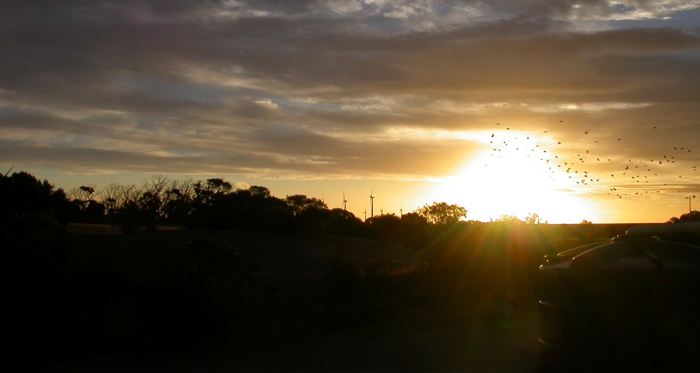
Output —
<point x="581" y="163"/>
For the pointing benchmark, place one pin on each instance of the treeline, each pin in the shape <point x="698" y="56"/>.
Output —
<point x="205" y="204"/>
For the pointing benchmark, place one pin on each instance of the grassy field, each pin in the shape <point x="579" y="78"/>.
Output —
<point x="464" y="302"/>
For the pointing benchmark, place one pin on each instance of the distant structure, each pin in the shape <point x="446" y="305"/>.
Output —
<point x="371" y="203"/>
<point x="345" y="202"/>
<point x="689" y="198"/>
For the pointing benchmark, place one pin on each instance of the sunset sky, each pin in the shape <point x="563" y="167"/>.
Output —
<point x="575" y="110"/>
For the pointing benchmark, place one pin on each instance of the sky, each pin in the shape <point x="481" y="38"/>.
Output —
<point x="573" y="110"/>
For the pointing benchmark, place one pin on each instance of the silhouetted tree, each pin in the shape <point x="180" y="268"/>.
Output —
<point x="129" y="216"/>
<point x="84" y="193"/>
<point x="114" y="196"/>
<point x="414" y="218"/>
<point x="385" y="221"/>
<point x="442" y="213"/>
<point x="415" y="230"/>
<point x="150" y="205"/>
<point x="385" y="226"/>
<point x="506" y="218"/>
<point x="344" y="222"/>
<point x="691" y="216"/>
<point x="22" y="193"/>
<point x="300" y="202"/>
<point x="272" y="215"/>
<point x="686" y="218"/>
<point x="211" y="204"/>
<point x="176" y="206"/>
<point x="239" y="209"/>
<point x="218" y="186"/>
<point x="140" y="208"/>
<point x="313" y="219"/>
<point x="85" y="207"/>
<point x="532" y="218"/>
<point x="111" y="195"/>
<point x="259" y="191"/>
<point x="152" y="200"/>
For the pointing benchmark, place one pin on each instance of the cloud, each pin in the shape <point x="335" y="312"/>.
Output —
<point x="311" y="89"/>
<point x="267" y="103"/>
<point x="242" y="185"/>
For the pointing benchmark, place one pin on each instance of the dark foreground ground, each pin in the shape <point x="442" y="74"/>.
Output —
<point x="290" y="321"/>
<point x="472" y="348"/>
<point x="407" y="318"/>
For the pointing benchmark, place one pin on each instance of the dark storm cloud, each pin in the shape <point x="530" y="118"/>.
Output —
<point x="314" y="86"/>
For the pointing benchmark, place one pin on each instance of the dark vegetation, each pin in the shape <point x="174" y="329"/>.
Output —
<point x="200" y="266"/>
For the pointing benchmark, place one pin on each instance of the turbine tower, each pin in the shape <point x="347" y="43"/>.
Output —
<point x="345" y="202"/>
<point x="689" y="204"/>
<point x="371" y="203"/>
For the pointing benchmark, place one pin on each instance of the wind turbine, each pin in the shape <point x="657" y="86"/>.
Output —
<point x="345" y="202"/>
<point x="371" y="203"/>
<point x="689" y="204"/>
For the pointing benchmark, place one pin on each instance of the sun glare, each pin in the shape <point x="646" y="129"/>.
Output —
<point x="517" y="177"/>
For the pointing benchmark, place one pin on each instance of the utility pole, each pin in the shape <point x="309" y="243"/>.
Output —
<point x="689" y="204"/>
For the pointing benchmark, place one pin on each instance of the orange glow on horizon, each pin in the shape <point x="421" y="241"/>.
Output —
<point x="518" y="179"/>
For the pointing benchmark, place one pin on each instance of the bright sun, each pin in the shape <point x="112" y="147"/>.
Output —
<point x="516" y="176"/>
